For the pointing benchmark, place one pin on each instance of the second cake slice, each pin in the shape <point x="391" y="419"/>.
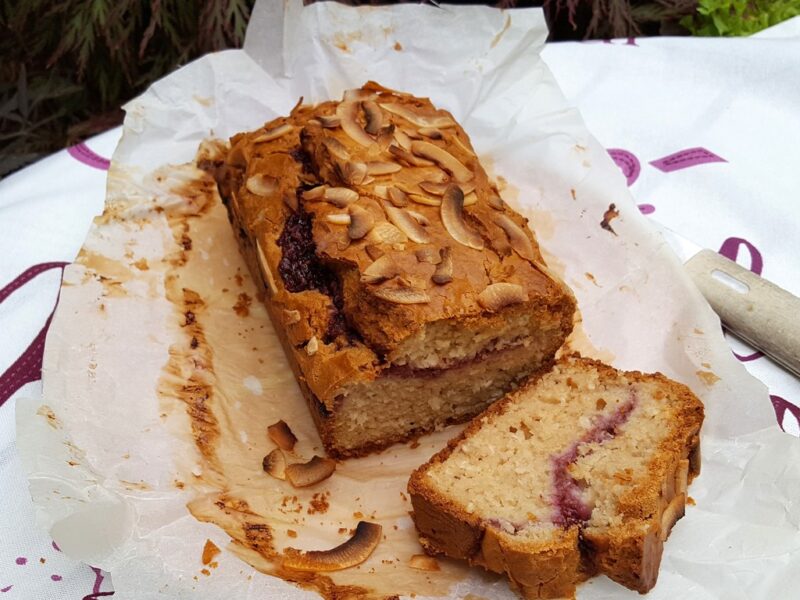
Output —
<point x="582" y="471"/>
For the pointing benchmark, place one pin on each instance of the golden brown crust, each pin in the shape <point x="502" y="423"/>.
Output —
<point x="262" y="183"/>
<point x="629" y="553"/>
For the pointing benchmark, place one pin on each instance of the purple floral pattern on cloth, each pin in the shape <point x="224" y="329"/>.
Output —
<point x="647" y="209"/>
<point x="82" y="153"/>
<point x="627" y="161"/>
<point x="28" y="367"/>
<point x="781" y="406"/>
<point x="683" y="159"/>
<point x="730" y="249"/>
<point x="98" y="581"/>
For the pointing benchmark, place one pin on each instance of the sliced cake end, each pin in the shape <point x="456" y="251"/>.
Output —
<point x="583" y="470"/>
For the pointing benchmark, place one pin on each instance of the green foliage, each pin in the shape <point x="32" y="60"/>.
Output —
<point x="68" y="65"/>
<point x="739" y="17"/>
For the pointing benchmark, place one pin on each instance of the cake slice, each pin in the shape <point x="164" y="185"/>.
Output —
<point x="583" y="470"/>
<point x="406" y="293"/>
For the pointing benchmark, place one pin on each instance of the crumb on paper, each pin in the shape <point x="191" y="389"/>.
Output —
<point x="423" y="562"/>
<point x="591" y="278"/>
<point x="608" y="216"/>
<point x="699" y="331"/>
<point x="690" y="501"/>
<point x="358" y="515"/>
<point x="291" y="533"/>
<point x="343" y="530"/>
<point x="707" y="377"/>
<point x="573" y="193"/>
<point x="205" y="572"/>
<point x="242" y="306"/>
<point x="141" y="264"/>
<point x="47" y="412"/>
<point x="319" y="503"/>
<point x="210" y="551"/>
<point x="179" y="484"/>
<point x="202" y="101"/>
<point x="398" y="46"/>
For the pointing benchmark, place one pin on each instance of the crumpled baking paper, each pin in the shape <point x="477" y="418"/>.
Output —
<point x="110" y="454"/>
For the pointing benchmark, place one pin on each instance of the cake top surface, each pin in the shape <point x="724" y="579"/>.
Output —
<point x="379" y="204"/>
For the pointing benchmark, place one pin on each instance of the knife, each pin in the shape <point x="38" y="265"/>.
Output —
<point x="758" y="311"/>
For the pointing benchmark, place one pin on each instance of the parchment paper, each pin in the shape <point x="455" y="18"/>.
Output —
<point x="109" y="448"/>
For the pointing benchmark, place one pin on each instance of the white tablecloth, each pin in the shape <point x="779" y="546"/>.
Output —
<point x="705" y="130"/>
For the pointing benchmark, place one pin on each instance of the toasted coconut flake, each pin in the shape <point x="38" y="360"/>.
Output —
<point x="261" y="185"/>
<point x="353" y="172"/>
<point x="386" y="233"/>
<point x="495" y="201"/>
<point x="382" y="269"/>
<point x="290" y="317"/>
<point x="403" y="139"/>
<point x="499" y="295"/>
<point x="444" y="270"/>
<point x="329" y="121"/>
<point x="340" y="196"/>
<point x="519" y="242"/>
<point x="357" y="95"/>
<point x="420" y="120"/>
<point x="412" y="133"/>
<point x="349" y="554"/>
<point x="397" y="197"/>
<point x="430" y="132"/>
<point x="312" y="346"/>
<point x="421" y="219"/>
<point x="381" y="191"/>
<point x="373" y="251"/>
<point x="373" y="115"/>
<point x="452" y="214"/>
<point x="338" y="218"/>
<point x="382" y="167"/>
<point x="306" y="474"/>
<point x="274" y="133"/>
<point x="361" y="221"/>
<point x="457" y="142"/>
<point x="426" y="200"/>
<point x="385" y="137"/>
<point x="470" y="199"/>
<point x="315" y="193"/>
<point x="336" y="148"/>
<point x="281" y="434"/>
<point x="442" y="158"/>
<point x="274" y="464"/>
<point x="423" y="562"/>
<point x="403" y="295"/>
<point x="428" y="255"/>
<point x="266" y="273"/>
<point x="437" y="188"/>
<point x="290" y="200"/>
<point x="408" y="158"/>
<point x="346" y="111"/>
<point x="407" y="224"/>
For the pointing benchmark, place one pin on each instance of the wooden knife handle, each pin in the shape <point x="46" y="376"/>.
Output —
<point x="760" y="312"/>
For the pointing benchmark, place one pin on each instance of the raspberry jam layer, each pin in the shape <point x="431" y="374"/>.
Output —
<point x="302" y="270"/>
<point x="570" y="508"/>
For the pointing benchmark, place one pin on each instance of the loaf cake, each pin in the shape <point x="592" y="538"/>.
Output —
<point x="581" y="471"/>
<point x="406" y="292"/>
